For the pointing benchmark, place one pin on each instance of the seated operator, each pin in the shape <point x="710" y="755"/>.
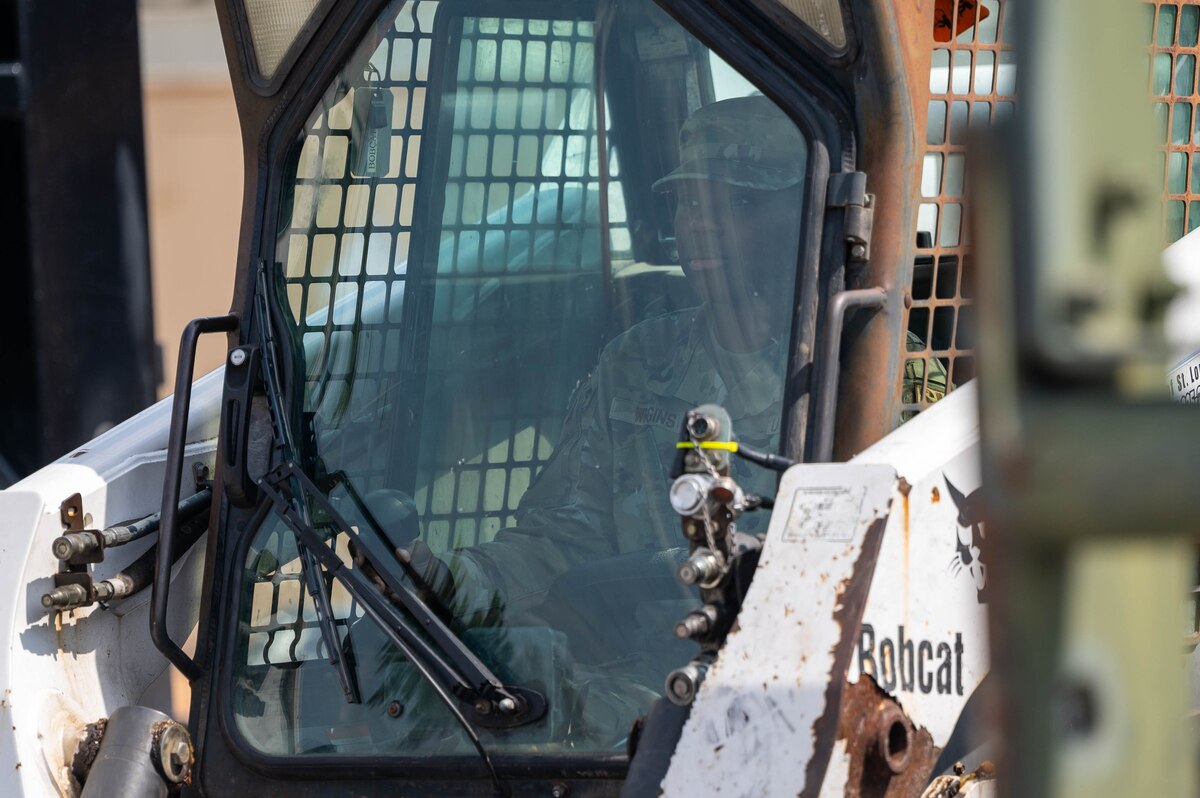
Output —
<point x="739" y="196"/>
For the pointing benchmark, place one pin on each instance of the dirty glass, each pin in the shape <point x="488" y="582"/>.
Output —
<point x="515" y="250"/>
<point x="1189" y="25"/>
<point x="1166" y="25"/>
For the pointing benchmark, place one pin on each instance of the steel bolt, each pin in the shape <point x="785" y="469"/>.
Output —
<point x="237" y="357"/>
<point x="508" y="706"/>
<point x="858" y="252"/>
<point x="175" y="753"/>
<point x="483" y="706"/>
<point x="395" y="709"/>
<point x="63" y="549"/>
<point x="560" y="790"/>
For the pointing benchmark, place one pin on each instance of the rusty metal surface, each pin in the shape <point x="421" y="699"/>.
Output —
<point x="889" y="755"/>
<point x="71" y="513"/>
<point x="970" y="85"/>
<point x="917" y="99"/>
<point x="853" y="600"/>
<point x="89" y="746"/>
<point x="891" y="76"/>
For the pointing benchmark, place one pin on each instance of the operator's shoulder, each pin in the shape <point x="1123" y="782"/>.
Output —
<point x="656" y="339"/>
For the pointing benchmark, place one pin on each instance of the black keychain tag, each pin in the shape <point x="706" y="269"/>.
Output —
<point x="371" y="131"/>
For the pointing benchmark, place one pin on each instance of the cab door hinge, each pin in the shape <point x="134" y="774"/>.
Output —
<point x="848" y="190"/>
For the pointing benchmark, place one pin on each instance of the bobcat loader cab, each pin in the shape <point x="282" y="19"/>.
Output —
<point x="456" y="265"/>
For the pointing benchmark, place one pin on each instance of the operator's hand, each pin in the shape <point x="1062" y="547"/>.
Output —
<point x="431" y="577"/>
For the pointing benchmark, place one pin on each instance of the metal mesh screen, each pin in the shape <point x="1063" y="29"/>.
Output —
<point x="972" y="83"/>
<point x="493" y="281"/>
<point x="346" y="254"/>
<point x="345" y="251"/>
<point x="283" y="614"/>
<point x="1173" y="32"/>
<point x="520" y="228"/>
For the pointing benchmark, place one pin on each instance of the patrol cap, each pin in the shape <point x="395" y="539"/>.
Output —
<point x="746" y="142"/>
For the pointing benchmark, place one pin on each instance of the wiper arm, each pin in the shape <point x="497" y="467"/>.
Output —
<point x="311" y="571"/>
<point x="490" y="702"/>
<point x="464" y="684"/>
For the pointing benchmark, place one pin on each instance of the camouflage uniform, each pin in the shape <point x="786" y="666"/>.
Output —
<point x="604" y="492"/>
<point x="918" y="386"/>
<point x="603" y="497"/>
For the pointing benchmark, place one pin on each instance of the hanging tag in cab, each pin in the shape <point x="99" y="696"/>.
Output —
<point x="371" y="132"/>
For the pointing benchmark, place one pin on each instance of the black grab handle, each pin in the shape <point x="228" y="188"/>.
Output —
<point x="176" y="443"/>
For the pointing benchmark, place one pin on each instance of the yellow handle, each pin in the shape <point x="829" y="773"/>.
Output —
<point x="725" y="446"/>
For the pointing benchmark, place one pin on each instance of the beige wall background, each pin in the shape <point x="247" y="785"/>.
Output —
<point x="193" y="174"/>
<point x="194" y="197"/>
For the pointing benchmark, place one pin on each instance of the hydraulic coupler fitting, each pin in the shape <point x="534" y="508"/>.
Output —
<point x="691" y="494"/>
<point x="74" y="596"/>
<point x="683" y="683"/>
<point x="66" y="597"/>
<point x="703" y="568"/>
<point x="74" y="545"/>
<point x="699" y="623"/>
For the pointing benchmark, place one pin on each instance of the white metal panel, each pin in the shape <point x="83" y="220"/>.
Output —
<point x="752" y="726"/>
<point x="21" y="511"/>
<point x="924" y="631"/>
<point x="59" y="673"/>
<point x="932" y="571"/>
<point x="933" y="437"/>
<point x="136" y="437"/>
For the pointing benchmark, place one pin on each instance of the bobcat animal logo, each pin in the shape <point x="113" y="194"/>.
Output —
<point x="969" y="543"/>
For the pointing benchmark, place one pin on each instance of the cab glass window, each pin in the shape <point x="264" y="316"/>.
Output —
<point x="519" y="242"/>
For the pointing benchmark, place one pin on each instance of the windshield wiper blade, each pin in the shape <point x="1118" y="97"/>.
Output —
<point x="310" y="570"/>
<point x="447" y="664"/>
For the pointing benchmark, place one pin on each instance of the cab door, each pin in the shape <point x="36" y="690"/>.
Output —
<point x="468" y="326"/>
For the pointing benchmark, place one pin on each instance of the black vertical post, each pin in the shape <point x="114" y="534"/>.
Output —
<point x="77" y="351"/>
